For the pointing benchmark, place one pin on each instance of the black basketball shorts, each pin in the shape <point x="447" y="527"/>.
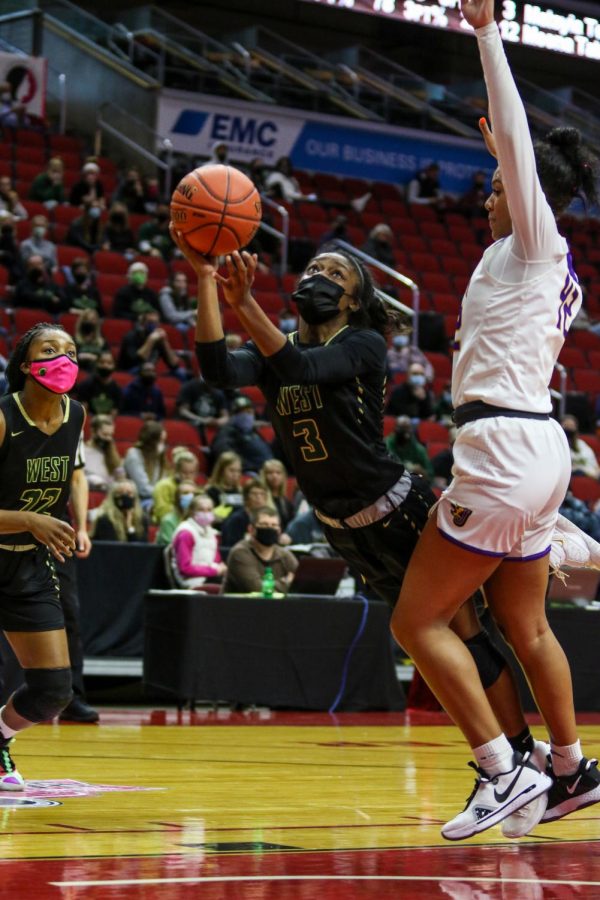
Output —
<point x="29" y="591"/>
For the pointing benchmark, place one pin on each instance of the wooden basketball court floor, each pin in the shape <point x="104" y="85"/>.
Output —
<point x="258" y="806"/>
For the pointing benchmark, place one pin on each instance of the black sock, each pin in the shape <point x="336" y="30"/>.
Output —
<point x="523" y="742"/>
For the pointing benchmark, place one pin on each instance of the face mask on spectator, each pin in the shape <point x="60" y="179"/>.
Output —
<point x="162" y="216"/>
<point x="102" y="443"/>
<point x="87" y="328"/>
<point x="138" y="278"/>
<point x="417" y="380"/>
<point x="105" y="371"/>
<point x="36" y="274"/>
<point x="185" y="500"/>
<point x="147" y="378"/>
<point x="117" y="219"/>
<point x="402" y="435"/>
<point x="94" y="212"/>
<point x="39" y="231"/>
<point x="204" y="518"/>
<point x="80" y="276"/>
<point x="288" y="324"/>
<point x="244" y="421"/>
<point x="400" y="340"/>
<point x="124" y="501"/>
<point x="267" y="536"/>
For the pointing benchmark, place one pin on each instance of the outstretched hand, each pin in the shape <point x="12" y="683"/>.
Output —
<point x="490" y="140"/>
<point x="477" y="12"/>
<point x="237" y="285"/>
<point x="204" y="266"/>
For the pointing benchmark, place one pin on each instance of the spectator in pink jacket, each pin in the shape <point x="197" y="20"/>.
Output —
<point x="195" y="547"/>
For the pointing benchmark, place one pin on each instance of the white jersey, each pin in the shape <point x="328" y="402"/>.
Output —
<point x="524" y="294"/>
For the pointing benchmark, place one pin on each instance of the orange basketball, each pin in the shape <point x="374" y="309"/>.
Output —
<point x="217" y="208"/>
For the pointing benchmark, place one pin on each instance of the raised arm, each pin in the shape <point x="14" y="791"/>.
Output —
<point x="534" y="226"/>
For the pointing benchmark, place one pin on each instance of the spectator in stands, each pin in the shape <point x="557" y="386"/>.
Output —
<point x="12" y="113"/>
<point x="379" y="244"/>
<point x="257" y="173"/>
<point x="10" y="257"/>
<point x="145" y="462"/>
<point x="87" y="230"/>
<point x="240" y="434"/>
<point x="185" y="469"/>
<point x="89" y="340"/>
<point x="103" y="465"/>
<point x="176" y="305"/>
<point x="224" y="484"/>
<point x="100" y="394"/>
<point x="89" y="188"/>
<point x="578" y="512"/>
<point x="11" y="207"/>
<point x="255" y="495"/>
<point x="281" y="184"/>
<point x="305" y="528"/>
<point x="403" y="445"/>
<point x="248" y="559"/>
<point x="219" y="154"/>
<point x="443" y="405"/>
<point x="185" y="491"/>
<point x="80" y="292"/>
<point x="121" y="517"/>
<point x="37" y="289"/>
<point x="338" y="230"/>
<point x="141" y="397"/>
<point x="38" y="245"/>
<point x="403" y="353"/>
<point x="117" y="235"/>
<point x="147" y="342"/>
<point x="48" y="187"/>
<point x="288" y="321"/>
<point x="424" y="188"/>
<point x="202" y="405"/>
<point x="413" y="398"/>
<point x="154" y="237"/>
<point x="195" y="549"/>
<point x="583" y="458"/>
<point x="472" y="201"/>
<point x="132" y="191"/>
<point x="443" y="461"/>
<point x="274" y="477"/>
<point x="135" y="296"/>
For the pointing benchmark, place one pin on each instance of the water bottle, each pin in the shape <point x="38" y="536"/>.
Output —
<point x="268" y="583"/>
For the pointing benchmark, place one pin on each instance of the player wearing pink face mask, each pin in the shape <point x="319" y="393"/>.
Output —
<point x="40" y="427"/>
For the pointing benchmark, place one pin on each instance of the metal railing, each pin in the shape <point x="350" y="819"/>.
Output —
<point x="103" y="126"/>
<point x="396" y="276"/>
<point x="282" y="236"/>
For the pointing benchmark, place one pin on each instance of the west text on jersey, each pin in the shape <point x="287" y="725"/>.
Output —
<point x="47" y="468"/>
<point x="298" y="398"/>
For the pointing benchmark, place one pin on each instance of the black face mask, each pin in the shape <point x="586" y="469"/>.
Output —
<point x="87" y="328"/>
<point x="317" y="299"/>
<point x="80" y="277"/>
<point x="267" y="536"/>
<point x="104" y="371"/>
<point x="124" y="502"/>
<point x="147" y="379"/>
<point x="102" y="443"/>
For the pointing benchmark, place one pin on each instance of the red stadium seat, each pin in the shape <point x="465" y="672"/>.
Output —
<point x="127" y="428"/>
<point x="27" y="318"/>
<point x="587" y="380"/>
<point x="169" y="385"/>
<point x="573" y="358"/>
<point x="432" y="431"/>
<point x="109" y="263"/>
<point x="180" y="432"/>
<point x="109" y="284"/>
<point x="584" y="488"/>
<point x="592" y="441"/>
<point x="65" y="142"/>
<point x="66" y="254"/>
<point x="435" y="447"/>
<point x="256" y="395"/>
<point x="64" y="215"/>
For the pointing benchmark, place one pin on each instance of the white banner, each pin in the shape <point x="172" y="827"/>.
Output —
<point x="26" y="76"/>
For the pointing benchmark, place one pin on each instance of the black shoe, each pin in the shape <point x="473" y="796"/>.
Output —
<point x="571" y="792"/>
<point x="78" y="711"/>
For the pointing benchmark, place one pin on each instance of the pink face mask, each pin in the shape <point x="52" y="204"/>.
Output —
<point x="57" y="375"/>
<point x="204" y="518"/>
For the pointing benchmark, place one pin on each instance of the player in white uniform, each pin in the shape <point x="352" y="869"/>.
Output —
<point x="494" y="525"/>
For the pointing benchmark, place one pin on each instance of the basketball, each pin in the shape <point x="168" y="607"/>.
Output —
<point x="217" y="208"/>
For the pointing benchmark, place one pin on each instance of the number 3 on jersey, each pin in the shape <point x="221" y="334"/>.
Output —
<point x="312" y="448"/>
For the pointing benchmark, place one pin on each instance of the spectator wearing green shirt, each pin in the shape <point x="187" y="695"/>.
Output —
<point x="185" y="465"/>
<point x="185" y="493"/>
<point x="48" y="187"/>
<point x="404" y="446"/>
<point x="154" y="237"/>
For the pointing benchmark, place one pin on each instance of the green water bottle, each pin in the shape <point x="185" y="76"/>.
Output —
<point x="268" y="583"/>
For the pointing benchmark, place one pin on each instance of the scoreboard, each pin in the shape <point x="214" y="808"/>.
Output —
<point x="556" y="28"/>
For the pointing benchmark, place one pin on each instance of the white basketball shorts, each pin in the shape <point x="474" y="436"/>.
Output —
<point x="510" y="477"/>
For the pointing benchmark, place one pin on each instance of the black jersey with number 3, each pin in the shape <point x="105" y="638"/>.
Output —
<point x="36" y="468"/>
<point x="326" y="406"/>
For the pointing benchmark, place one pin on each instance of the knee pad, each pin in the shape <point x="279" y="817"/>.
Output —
<point x="44" y="695"/>
<point x="489" y="660"/>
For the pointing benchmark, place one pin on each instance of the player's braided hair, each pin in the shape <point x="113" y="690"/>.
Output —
<point x="566" y="168"/>
<point x="14" y="375"/>
<point x="373" y="311"/>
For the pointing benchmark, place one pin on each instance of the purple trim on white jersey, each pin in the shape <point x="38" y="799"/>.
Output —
<point x="468" y="546"/>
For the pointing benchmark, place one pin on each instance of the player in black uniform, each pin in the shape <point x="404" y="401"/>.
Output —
<point x="325" y="389"/>
<point x="39" y="432"/>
